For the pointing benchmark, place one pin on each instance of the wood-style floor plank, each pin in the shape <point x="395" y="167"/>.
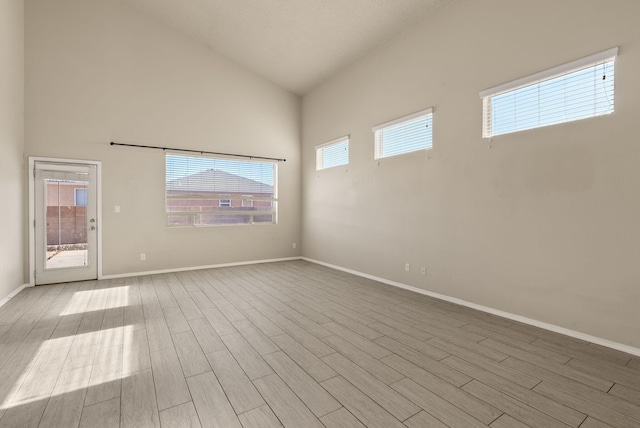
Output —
<point x="594" y="423"/>
<point x="385" y="396"/>
<point x="360" y="405"/>
<point x="341" y="418"/>
<point x="366" y="345"/>
<point x="618" y="374"/>
<point x="135" y="351"/>
<point x="206" y="336"/>
<point x="257" y="338"/>
<point x="597" y="409"/>
<point x="308" y="390"/>
<point x="182" y="416"/>
<point x="263" y="323"/>
<point x="456" y="396"/>
<point x="211" y="403"/>
<point x="158" y="334"/>
<point x="260" y="417"/>
<point x="139" y="408"/>
<point x="106" y="372"/>
<point x="64" y="408"/>
<point x="629" y="394"/>
<point x="424" y="420"/>
<point x="170" y="384"/>
<point x="190" y="354"/>
<point x="304" y="358"/>
<point x="436" y="367"/>
<point x="292" y="344"/>
<point x="250" y="361"/>
<point x="381" y="371"/>
<point x="101" y="415"/>
<point x="513" y="407"/>
<point x="285" y="404"/>
<point x="218" y="321"/>
<point x="563" y="413"/>
<point x="506" y="421"/>
<point x="435" y="405"/>
<point x="176" y="321"/>
<point x="23" y="415"/>
<point x="239" y="389"/>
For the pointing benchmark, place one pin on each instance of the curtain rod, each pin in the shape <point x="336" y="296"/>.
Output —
<point x="198" y="151"/>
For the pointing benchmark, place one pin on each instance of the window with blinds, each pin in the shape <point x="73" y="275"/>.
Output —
<point x="404" y="135"/>
<point x="578" y="90"/>
<point x="334" y="153"/>
<point x="210" y="191"/>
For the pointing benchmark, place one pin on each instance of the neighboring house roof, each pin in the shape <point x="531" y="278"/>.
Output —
<point x="217" y="181"/>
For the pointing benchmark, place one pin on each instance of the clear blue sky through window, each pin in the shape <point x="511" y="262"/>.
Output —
<point x="573" y="96"/>
<point x="334" y="154"/>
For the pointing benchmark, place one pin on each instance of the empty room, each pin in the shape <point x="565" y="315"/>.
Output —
<point x="320" y="213"/>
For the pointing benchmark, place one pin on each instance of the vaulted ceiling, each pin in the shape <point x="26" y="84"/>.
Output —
<point x="296" y="44"/>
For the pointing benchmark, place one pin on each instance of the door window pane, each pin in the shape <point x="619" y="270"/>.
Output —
<point x="66" y="223"/>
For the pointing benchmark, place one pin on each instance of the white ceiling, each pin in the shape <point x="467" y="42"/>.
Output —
<point x="296" y="44"/>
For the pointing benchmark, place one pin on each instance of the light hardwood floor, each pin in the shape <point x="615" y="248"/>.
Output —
<point x="297" y="345"/>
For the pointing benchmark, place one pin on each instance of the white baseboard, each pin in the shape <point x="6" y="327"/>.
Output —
<point x="13" y="294"/>
<point x="185" y="269"/>
<point x="546" y="326"/>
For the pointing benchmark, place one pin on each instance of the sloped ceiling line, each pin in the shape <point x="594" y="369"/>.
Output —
<point x="297" y="44"/>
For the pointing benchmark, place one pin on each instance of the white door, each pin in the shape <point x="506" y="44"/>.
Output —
<point x="65" y="222"/>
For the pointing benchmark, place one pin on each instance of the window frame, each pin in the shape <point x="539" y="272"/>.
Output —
<point x="539" y="77"/>
<point x="224" y="195"/>
<point x="377" y="130"/>
<point x="320" y="152"/>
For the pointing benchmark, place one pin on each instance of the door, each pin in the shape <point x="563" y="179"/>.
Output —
<point x="65" y="222"/>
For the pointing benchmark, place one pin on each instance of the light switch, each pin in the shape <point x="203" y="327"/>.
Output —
<point x="117" y="208"/>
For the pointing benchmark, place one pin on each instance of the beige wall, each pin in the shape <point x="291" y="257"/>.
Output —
<point x="544" y="224"/>
<point x="100" y="71"/>
<point x="12" y="174"/>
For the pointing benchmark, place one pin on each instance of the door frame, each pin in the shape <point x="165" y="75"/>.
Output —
<point x="32" y="209"/>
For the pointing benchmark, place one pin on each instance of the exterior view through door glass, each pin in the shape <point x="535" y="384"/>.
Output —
<point x="65" y="222"/>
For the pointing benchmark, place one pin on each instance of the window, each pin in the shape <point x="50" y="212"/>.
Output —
<point x="573" y="91"/>
<point x="404" y="135"/>
<point x="80" y="197"/>
<point x="207" y="191"/>
<point x="333" y="153"/>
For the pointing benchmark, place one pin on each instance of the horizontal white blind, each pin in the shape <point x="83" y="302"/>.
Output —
<point x="566" y="95"/>
<point x="63" y="176"/>
<point x="50" y="171"/>
<point x="204" y="191"/>
<point x="333" y="153"/>
<point x="407" y="134"/>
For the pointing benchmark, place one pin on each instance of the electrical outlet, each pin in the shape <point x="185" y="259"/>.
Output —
<point x="406" y="267"/>
<point x="116" y="209"/>
<point x="424" y="270"/>
<point x="143" y="256"/>
<point x="295" y="245"/>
